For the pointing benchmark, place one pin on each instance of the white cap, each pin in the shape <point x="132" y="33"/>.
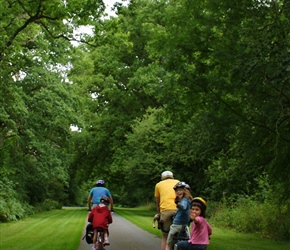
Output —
<point x="166" y="174"/>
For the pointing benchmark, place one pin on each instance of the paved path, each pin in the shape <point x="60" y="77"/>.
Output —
<point x="124" y="235"/>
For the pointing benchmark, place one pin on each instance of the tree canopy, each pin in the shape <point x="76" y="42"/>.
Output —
<point x="196" y="87"/>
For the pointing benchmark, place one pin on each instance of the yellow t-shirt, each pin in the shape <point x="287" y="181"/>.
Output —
<point x="164" y="190"/>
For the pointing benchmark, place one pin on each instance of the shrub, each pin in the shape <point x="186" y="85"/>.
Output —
<point x="47" y="205"/>
<point x="276" y="221"/>
<point x="11" y="207"/>
<point x="269" y="219"/>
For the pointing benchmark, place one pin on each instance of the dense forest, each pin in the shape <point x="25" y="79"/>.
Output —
<point x="201" y="88"/>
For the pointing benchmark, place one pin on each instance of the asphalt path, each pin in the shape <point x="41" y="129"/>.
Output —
<point x="124" y="235"/>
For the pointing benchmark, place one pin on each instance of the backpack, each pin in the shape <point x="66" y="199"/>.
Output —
<point x="89" y="233"/>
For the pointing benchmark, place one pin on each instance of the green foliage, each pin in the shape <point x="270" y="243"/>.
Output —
<point x="38" y="104"/>
<point x="269" y="219"/>
<point x="47" y="205"/>
<point x="12" y="207"/>
<point x="200" y="88"/>
<point x="208" y="66"/>
<point x="143" y="157"/>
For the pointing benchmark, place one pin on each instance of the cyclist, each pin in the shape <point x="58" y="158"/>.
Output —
<point x="200" y="229"/>
<point x="181" y="219"/>
<point x="97" y="192"/>
<point x="101" y="217"/>
<point x="165" y="205"/>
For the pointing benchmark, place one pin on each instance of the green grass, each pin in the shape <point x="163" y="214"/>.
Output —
<point x="141" y="217"/>
<point x="53" y="230"/>
<point x="62" y="230"/>
<point x="221" y="239"/>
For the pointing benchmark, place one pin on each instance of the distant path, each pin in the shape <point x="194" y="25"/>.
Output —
<point x="124" y="235"/>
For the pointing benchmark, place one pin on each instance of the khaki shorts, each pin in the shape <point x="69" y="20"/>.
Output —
<point x="166" y="220"/>
<point x="173" y="230"/>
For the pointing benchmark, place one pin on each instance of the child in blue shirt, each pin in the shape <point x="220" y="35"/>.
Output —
<point x="181" y="218"/>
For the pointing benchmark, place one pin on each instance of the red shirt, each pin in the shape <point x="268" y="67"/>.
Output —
<point x="100" y="217"/>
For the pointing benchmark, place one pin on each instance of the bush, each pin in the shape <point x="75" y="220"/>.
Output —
<point x="11" y="207"/>
<point x="269" y="219"/>
<point x="47" y="205"/>
<point x="276" y="222"/>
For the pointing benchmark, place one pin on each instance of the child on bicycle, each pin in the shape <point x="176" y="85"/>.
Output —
<point x="181" y="219"/>
<point x="200" y="229"/>
<point x="101" y="217"/>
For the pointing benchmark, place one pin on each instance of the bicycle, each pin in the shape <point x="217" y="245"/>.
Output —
<point x="182" y="235"/>
<point x="100" y="239"/>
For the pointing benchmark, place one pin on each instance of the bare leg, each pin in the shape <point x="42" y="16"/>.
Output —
<point x="95" y="238"/>
<point x="163" y="241"/>
<point x="106" y="242"/>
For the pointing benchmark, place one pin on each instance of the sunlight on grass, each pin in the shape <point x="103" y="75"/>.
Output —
<point x="57" y="230"/>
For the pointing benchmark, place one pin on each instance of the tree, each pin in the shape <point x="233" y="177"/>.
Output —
<point x="114" y="94"/>
<point x="37" y="103"/>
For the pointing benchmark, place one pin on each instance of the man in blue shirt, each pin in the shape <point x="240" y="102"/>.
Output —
<point x="97" y="192"/>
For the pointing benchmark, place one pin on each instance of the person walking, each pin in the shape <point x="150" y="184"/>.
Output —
<point x="165" y="203"/>
<point x="97" y="192"/>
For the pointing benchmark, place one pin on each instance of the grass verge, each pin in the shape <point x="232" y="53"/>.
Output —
<point x="221" y="239"/>
<point x="141" y="217"/>
<point x="56" y="229"/>
<point x="62" y="230"/>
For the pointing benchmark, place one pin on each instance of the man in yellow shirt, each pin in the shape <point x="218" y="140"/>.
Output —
<point x="165" y="203"/>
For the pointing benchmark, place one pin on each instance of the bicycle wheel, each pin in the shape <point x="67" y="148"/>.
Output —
<point x="100" y="241"/>
<point x="100" y="246"/>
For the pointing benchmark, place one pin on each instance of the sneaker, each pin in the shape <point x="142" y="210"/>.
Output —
<point x="106" y="242"/>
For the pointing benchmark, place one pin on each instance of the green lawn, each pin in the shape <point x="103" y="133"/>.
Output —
<point x="53" y="230"/>
<point x="221" y="239"/>
<point x="62" y="230"/>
